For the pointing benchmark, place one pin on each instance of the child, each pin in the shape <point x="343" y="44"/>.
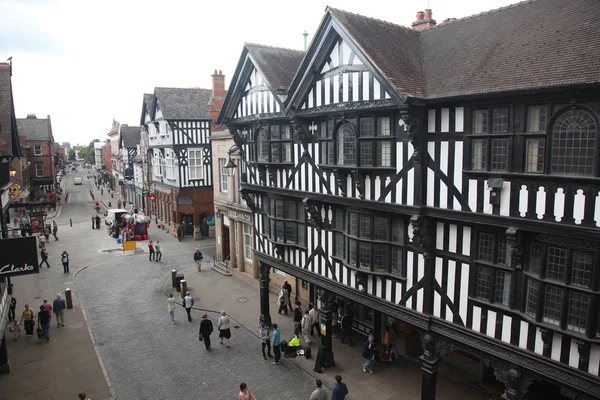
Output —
<point x="17" y="329"/>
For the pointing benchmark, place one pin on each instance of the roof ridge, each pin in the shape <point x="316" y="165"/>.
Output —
<point x="273" y="47"/>
<point x="180" y="88"/>
<point x="370" y="18"/>
<point x="468" y="17"/>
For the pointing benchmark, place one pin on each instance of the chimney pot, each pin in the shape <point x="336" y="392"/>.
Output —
<point x="220" y="72"/>
<point x="424" y="20"/>
<point x="420" y="15"/>
<point x="428" y="14"/>
<point x="215" y="72"/>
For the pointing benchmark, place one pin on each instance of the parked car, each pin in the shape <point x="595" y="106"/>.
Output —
<point x="77" y="181"/>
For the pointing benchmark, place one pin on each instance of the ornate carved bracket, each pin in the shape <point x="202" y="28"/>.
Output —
<point x="359" y="183"/>
<point x="248" y="199"/>
<point x="314" y="212"/>
<point x="262" y="174"/>
<point x="340" y="180"/>
<point x="547" y="339"/>
<point x="303" y="136"/>
<point x="412" y="125"/>
<point x="272" y="176"/>
<point x="279" y="250"/>
<point x="515" y="241"/>
<point x="361" y="281"/>
<point x="421" y="232"/>
<point x="238" y="139"/>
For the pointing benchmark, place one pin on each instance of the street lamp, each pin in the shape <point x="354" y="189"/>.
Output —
<point x="230" y="167"/>
<point x="12" y="172"/>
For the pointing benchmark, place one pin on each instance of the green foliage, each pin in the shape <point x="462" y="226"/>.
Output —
<point x="71" y="154"/>
<point x="87" y="153"/>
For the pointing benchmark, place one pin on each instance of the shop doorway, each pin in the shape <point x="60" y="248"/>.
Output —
<point x="187" y="221"/>
<point x="225" y="250"/>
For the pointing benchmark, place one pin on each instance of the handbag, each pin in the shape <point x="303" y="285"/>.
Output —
<point x="40" y="333"/>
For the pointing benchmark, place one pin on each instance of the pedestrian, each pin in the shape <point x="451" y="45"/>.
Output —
<point x="306" y="325"/>
<point x="179" y="232"/>
<point x="119" y="203"/>
<point x="198" y="259"/>
<point x="314" y="319"/>
<point x="288" y="287"/>
<point x="276" y="344"/>
<point x="82" y="396"/>
<point x="47" y="232"/>
<point x="297" y="318"/>
<point x="319" y="393"/>
<point x="282" y="300"/>
<point x="12" y="309"/>
<point x="44" y="255"/>
<point x="54" y="229"/>
<point x="151" y="255"/>
<point x="369" y="354"/>
<point x="188" y="302"/>
<point x="65" y="262"/>
<point x="124" y="203"/>
<point x="48" y="307"/>
<point x="28" y="320"/>
<point x="59" y="306"/>
<point x="93" y="222"/>
<point x="224" y="329"/>
<point x="245" y="393"/>
<point x="347" y="328"/>
<point x="340" y="390"/>
<point x="387" y="338"/>
<point x="97" y="222"/>
<point x="334" y="322"/>
<point x="44" y="322"/>
<point x="157" y="250"/>
<point x="171" y="307"/>
<point x="206" y="328"/>
<point x="265" y="338"/>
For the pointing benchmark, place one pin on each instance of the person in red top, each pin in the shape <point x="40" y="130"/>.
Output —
<point x="48" y="307"/>
<point x="151" y="250"/>
<point x="245" y="393"/>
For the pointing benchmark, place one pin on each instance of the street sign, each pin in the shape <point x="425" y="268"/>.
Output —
<point x="152" y="197"/>
<point x="145" y="192"/>
<point x="19" y="256"/>
<point x="130" y="245"/>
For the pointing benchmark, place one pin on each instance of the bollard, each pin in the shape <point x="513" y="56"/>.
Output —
<point x="68" y="298"/>
<point x="71" y="222"/>
<point x="173" y="280"/>
<point x="183" y="284"/>
<point x="109" y="205"/>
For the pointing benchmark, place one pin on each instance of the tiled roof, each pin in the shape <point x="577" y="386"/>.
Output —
<point x="393" y="49"/>
<point x="530" y="45"/>
<point x="34" y="128"/>
<point x="278" y="65"/>
<point x="183" y="104"/>
<point x="9" y="144"/>
<point x="148" y="102"/>
<point x="131" y="136"/>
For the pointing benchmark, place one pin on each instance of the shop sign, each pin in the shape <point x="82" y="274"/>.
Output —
<point x="19" y="256"/>
<point x="152" y="197"/>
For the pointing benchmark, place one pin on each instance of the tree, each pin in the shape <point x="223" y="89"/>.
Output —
<point x="87" y="153"/>
<point x="71" y="154"/>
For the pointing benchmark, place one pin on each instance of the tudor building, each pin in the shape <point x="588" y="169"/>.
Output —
<point x="444" y="177"/>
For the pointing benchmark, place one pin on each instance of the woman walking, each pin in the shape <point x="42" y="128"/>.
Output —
<point x="206" y="328"/>
<point x="306" y="325"/>
<point x="65" y="262"/>
<point x="28" y="320"/>
<point x="245" y="393"/>
<point x="224" y="329"/>
<point x="171" y="307"/>
<point x="265" y="337"/>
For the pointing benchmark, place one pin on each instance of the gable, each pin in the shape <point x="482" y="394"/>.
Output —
<point x="256" y="97"/>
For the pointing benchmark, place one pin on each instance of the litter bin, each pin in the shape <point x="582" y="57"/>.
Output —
<point x="178" y="279"/>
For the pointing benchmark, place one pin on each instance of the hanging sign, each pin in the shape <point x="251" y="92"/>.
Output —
<point x="152" y="197"/>
<point x="19" y="256"/>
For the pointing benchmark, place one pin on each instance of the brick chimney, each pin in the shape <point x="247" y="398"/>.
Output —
<point x="424" y="20"/>
<point x="217" y="98"/>
<point x="31" y="116"/>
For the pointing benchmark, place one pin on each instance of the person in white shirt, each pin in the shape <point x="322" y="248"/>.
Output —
<point x="171" y="307"/>
<point x="314" y="317"/>
<point x="224" y="329"/>
<point x="188" y="302"/>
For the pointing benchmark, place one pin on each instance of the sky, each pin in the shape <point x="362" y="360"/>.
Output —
<point x="85" y="63"/>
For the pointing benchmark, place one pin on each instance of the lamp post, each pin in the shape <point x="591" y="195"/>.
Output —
<point x="230" y="167"/>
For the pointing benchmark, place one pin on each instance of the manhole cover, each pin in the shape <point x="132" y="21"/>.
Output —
<point x="242" y="300"/>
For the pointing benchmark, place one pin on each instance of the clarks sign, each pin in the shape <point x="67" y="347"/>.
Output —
<point x="18" y="256"/>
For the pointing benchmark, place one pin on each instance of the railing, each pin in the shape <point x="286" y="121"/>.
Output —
<point x="222" y="263"/>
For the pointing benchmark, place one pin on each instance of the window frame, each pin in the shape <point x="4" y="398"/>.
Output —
<point x="494" y="266"/>
<point x="247" y="241"/>
<point x="195" y="168"/>
<point x="277" y="218"/>
<point x="488" y="137"/>
<point x="223" y="181"/>
<point x="39" y="173"/>
<point x="37" y="149"/>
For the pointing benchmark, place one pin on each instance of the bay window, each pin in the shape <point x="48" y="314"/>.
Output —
<point x="494" y="275"/>
<point x="285" y="222"/>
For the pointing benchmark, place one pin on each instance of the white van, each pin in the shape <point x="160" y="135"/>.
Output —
<point x="77" y="181"/>
<point x="114" y="214"/>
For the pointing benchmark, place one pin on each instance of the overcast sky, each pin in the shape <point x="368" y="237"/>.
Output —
<point x="87" y="62"/>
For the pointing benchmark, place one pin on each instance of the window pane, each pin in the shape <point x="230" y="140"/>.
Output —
<point x="279" y="212"/>
<point x="330" y="126"/>
<point x="557" y="259"/>
<point x="339" y="245"/>
<point x="502" y="251"/>
<point x="499" y="154"/>
<point x="290" y="210"/>
<point x="291" y="231"/>
<point x="286" y="132"/>
<point x="536" y="119"/>
<point x="484" y="283"/>
<point x="384" y="154"/>
<point x="323" y="152"/>
<point x="366" y="127"/>
<point x="535" y="261"/>
<point x="581" y="273"/>
<point x="330" y="152"/>
<point x="353" y="224"/>
<point x="279" y="231"/>
<point x="480" y="121"/>
<point x="274" y="132"/>
<point x="573" y="143"/>
<point x="302" y="234"/>
<point x="479" y="154"/>
<point x="383" y="126"/>
<point x="578" y="310"/>
<point x="533" y="294"/>
<point x="365" y="227"/>
<point x="275" y="152"/>
<point x="286" y="152"/>
<point x="338" y="222"/>
<point x="380" y="257"/>
<point x="534" y="158"/>
<point x="365" y="255"/>
<point x="500" y="120"/>
<point x="398" y="231"/>
<point x="262" y="147"/>
<point x="503" y="282"/>
<point x="346" y="144"/>
<point x="323" y="129"/>
<point x="553" y="305"/>
<point x="366" y="154"/>
<point x="352" y="252"/>
<point x="396" y="260"/>
<point x="381" y="228"/>
<point x="301" y="212"/>
<point x="486" y="247"/>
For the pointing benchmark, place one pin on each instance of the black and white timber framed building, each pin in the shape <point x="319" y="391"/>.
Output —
<point x="447" y="178"/>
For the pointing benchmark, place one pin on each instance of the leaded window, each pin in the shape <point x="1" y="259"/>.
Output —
<point x="560" y="283"/>
<point x="346" y="142"/>
<point x="494" y="274"/>
<point x="491" y="140"/>
<point x="573" y="143"/>
<point x="286" y="222"/>
<point x="262" y="146"/>
<point x="272" y="144"/>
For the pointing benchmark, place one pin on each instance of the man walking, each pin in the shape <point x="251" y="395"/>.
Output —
<point x="59" y="306"/>
<point x="297" y="318"/>
<point x="314" y="319"/>
<point x="340" y="390"/>
<point x="44" y="322"/>
<point x="282" y="300"/>
<point x="119" y="203"/>
<point x="319" y="393"/>
<point x="44" y="256"/>
<point x="157" y="250"/>
<point x="276" y="344"/>
<point x="93" y="222"/>
<point x="151" y="255"/>
<point x="206" y="329"/>
<point x="65" y="262"/>
<point x="188" y="302"/>
<point x="54" y="229"/>
<point x="288" y="287"/>
<point x="171" y="307"/>
<point x="97" y="222"/>
<point x="265" y="337"/>
<point x="198" y="259"/>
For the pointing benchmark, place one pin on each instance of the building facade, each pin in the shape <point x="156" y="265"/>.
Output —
<point x="441" y="181"/>
<point x="129" y="146"/>
<point x="179" y="124"/>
